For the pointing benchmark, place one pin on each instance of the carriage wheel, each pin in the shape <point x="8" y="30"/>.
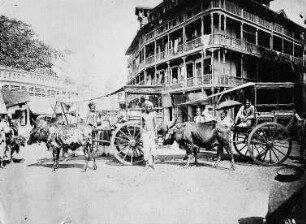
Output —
<point x="240" y="142"/>
<point x="269" y="144"/>
<point x="127" y="144"/>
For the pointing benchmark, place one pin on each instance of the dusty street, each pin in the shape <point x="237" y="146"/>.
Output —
<point x="32" y="193"/>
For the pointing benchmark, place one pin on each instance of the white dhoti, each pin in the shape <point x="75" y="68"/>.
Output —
<point x="2" y="150"/>
<point x="149" y="145"/>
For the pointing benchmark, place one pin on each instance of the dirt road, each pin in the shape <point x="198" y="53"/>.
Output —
<point x="32" y="193"/>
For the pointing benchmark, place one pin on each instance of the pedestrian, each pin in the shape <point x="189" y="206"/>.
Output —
<point x="105" y="133"/>
<point x="92" y="116"/>
<point x="149" y="134"/>
<point x="198" y="118"/>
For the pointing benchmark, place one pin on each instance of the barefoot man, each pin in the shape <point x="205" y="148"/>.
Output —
<point x="149" y="134"/>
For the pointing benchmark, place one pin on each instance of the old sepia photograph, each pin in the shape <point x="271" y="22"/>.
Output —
<point x="152" y="111"/>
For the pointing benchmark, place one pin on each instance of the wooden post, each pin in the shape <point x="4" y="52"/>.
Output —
<point x="155" y="51"/>
<point x="241" y="31"/>
<point x="256" y="37"/>
<point x="144" y="77"/>
<point x="202" y="26"/>
<point x="185" y="69"/>
<point x="184" y="35"/>
<point x="168" y="45"/>
<point x="202" y="66"/>
<point x="220" y="22"/>
<point x="225" y="25"/>
<point x="212" y="23"/>
<point x="212" y="67"/>
<point x="271" y="41"/>
<point x="167" y="76"/>
<point x="224" y="62"/>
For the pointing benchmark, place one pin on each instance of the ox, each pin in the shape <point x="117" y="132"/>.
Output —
<point x="57" y="137"/>
<point x="204" y="135"/>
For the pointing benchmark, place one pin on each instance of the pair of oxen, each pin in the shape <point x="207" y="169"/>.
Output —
<point x="189" y="136"/>
<point x="10" y="143"/>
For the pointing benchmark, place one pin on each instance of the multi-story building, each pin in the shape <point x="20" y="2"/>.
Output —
<point x="209" y="45"/>
<point x="36" y="84"/>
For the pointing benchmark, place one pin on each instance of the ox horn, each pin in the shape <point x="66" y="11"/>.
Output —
<point x="172" y="124"/>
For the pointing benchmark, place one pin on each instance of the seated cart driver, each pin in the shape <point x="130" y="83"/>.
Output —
<point x="245" y="115"/>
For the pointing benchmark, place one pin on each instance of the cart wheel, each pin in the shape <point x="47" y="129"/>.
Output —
<point x="127" y="144"/>
<point x="269" y="144"/>
<point x="240" y="142"/>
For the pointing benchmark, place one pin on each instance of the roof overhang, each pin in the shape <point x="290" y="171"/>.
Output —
<point x="137" y="89"/>
<point x="259" y="85"/>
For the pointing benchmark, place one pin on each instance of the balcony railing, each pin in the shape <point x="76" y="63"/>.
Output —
<point x="207" y="80"/>
<point x="217" y="40"/>
<point x="150" y="60"/>
<point x="233" y="8"/>
<point x="193" y="44"/>
<point x="150" y="35"/>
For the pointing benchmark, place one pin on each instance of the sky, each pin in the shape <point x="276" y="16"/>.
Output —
<point x="96" y="35"/>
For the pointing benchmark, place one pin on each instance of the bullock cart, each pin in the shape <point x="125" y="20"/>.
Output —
<point x="126" y="137"/>
<point x="267" y="141"/>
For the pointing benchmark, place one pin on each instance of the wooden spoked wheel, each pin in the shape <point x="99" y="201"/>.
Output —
<point x="240" y="142"/>
<point x="269" y="144"/>
<point x="127" y="144"/>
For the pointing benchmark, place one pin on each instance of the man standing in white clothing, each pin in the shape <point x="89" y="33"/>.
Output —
<point x="149" y="134"/>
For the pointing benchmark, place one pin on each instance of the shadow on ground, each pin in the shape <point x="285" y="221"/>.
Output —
<point x="251" y="220"/>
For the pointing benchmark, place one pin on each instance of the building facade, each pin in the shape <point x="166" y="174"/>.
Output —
<point x="36" y="84"/>
<point x="206" y="46"/>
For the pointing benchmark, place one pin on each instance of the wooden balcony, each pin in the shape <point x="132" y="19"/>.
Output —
<point x="206" y="81"/>
<point x="222" y="40"/>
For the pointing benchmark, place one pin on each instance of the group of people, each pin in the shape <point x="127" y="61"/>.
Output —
<point x="244" y="117"/>
<point x="101" y="122"/>
<point x="7" y="130"/>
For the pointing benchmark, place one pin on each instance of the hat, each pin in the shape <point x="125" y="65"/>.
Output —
<point x="148" y="103"/>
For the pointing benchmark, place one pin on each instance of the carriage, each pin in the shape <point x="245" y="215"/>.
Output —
<point x="267" y="141"/>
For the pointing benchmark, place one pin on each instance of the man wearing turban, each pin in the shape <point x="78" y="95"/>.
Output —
<point x="149" y="134"/>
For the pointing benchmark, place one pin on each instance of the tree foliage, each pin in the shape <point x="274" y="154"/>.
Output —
<point x="20" y="48"/>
